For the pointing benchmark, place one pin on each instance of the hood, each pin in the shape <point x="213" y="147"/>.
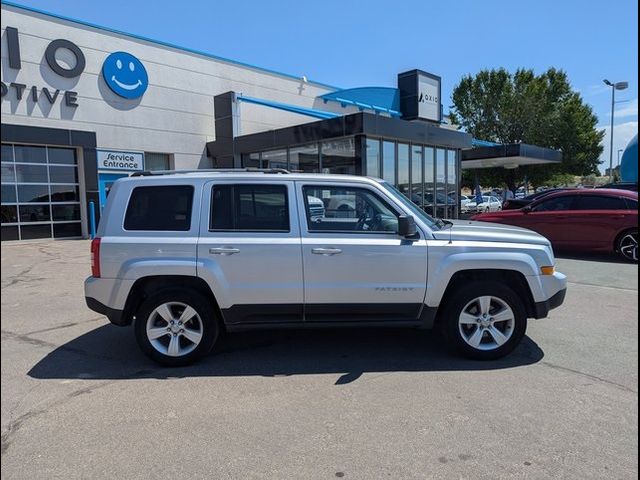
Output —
<point x="466" y="230"/>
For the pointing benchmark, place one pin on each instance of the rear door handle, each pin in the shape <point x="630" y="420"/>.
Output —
<point x="326" y="251"/>
<point x="223" y="251"/>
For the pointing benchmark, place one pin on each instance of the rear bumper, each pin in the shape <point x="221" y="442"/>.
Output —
<point x="115" y="316"/>
<point x="542" y="308"/>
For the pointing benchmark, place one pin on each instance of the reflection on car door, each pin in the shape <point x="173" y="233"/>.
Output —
<point x="356" y="267"/>
<point x="552" y="218"/>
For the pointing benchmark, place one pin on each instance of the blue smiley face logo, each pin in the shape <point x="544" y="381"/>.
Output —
<point x="125" y="75"/>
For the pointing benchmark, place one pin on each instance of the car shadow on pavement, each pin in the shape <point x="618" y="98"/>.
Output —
<point x="110" y="352"/>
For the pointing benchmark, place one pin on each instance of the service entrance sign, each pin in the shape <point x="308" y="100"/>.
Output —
<point x="123" y="161"/>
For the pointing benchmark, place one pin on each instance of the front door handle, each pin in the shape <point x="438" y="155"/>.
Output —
<point x="326" y="251"/>
<point x="224" y="251"/>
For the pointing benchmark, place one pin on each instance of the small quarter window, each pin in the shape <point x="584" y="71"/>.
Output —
<point x="160" y="208"/>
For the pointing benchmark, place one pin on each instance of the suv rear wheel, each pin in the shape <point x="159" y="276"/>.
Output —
<point x="175" y="327"/>
<point x="484" y="320"/>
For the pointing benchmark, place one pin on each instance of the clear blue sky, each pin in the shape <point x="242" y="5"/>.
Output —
<point x="356" y="43"/>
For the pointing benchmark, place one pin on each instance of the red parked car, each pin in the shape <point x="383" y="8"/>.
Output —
<point x="601" y="220"/>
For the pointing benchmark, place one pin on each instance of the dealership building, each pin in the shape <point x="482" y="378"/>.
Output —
<point x="83" y="105"/>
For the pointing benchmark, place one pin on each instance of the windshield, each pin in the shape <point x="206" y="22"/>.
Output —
<point x="434" y="223"/>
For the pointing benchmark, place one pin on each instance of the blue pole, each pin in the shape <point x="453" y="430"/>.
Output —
<point x="92" y="220"/>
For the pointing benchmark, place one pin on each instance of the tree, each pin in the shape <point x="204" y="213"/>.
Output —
<point x="523" y="107"/>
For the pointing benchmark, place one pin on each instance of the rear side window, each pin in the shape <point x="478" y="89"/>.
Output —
<point x="160" y="208"/>
<point x="600" y="202"/>
<point x="632" y="204"/>
<point x="252" y="208"/>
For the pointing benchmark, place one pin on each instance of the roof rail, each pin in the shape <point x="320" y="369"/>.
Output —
<point x="151" y="173"/>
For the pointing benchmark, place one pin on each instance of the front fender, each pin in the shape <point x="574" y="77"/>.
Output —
<point x="447" y="266"/>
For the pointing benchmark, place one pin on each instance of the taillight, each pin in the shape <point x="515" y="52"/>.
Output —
<point x="95" y="257"/>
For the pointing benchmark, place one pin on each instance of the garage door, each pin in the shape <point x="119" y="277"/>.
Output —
<point x="40" y="192"/>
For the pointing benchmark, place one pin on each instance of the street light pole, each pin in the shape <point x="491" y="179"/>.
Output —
<point x="613" y="106"/>
<point x="614" y="86"/>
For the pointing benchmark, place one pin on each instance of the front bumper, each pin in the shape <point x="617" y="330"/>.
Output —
<point x="542" y="308"/>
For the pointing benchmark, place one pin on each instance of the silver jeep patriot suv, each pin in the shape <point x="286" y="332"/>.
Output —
<point x="185" y="256"/>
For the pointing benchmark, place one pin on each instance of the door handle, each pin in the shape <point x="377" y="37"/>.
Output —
<point x="326" y="251"/>
<point x="224" y="251"/>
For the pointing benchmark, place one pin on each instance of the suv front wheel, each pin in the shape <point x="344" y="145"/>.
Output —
<point x="484" y="320"/>
<point x="175" y="327"/>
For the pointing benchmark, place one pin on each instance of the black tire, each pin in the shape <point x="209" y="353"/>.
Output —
<point x="622" y="244"/>
<point x="203" y="308"/>
<point x="459" y="298"/>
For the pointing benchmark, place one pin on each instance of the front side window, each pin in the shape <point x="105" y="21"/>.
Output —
<point x="160" y="208"/>
<point x="347" y="209"/>
<point x="251" y="208"/>
<point x="557" y="204"/>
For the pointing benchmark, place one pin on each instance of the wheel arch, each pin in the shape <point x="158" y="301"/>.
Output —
<point x="146" y="286"/>
<point x="512" y="278"/>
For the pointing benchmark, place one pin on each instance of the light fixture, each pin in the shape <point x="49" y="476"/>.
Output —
<point x="614" y="86"/>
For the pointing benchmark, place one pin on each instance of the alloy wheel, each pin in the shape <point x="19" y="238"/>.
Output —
<point x="629" y="246"/>
<point x="174" y="329"/>
<point x="486" y="323"/>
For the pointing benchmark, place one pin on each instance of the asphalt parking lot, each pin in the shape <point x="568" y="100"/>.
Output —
<point x="80" y="401"/>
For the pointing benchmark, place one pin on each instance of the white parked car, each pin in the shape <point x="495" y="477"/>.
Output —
<point x="488" y="204"/>
<point x="464" y="201"/>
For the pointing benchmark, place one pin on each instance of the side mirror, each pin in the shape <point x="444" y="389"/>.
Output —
<point x="527" y="209"/>
<point x="407" y="226"/>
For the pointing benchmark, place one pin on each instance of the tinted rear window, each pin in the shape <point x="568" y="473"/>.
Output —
<point x="249" y="208"/>
<point x="160" y="208"/>
<point x="600" y="202"/>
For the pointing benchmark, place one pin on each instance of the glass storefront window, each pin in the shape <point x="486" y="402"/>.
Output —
<point x="305" y="158"/>
<point x="416" y="175"/>
<point x="156" y="161"/>
<point x="251" y="160"/>
<point x="373" y="157"/>
<point x="441" y="192"/>
<point x="275" y="159"/>
<point x="389" y="162"/>
<point x="403" y="168"/>
<point x="339" y="156"/>
<point x="429" y="183"/>
<point x="452" y="182"/>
